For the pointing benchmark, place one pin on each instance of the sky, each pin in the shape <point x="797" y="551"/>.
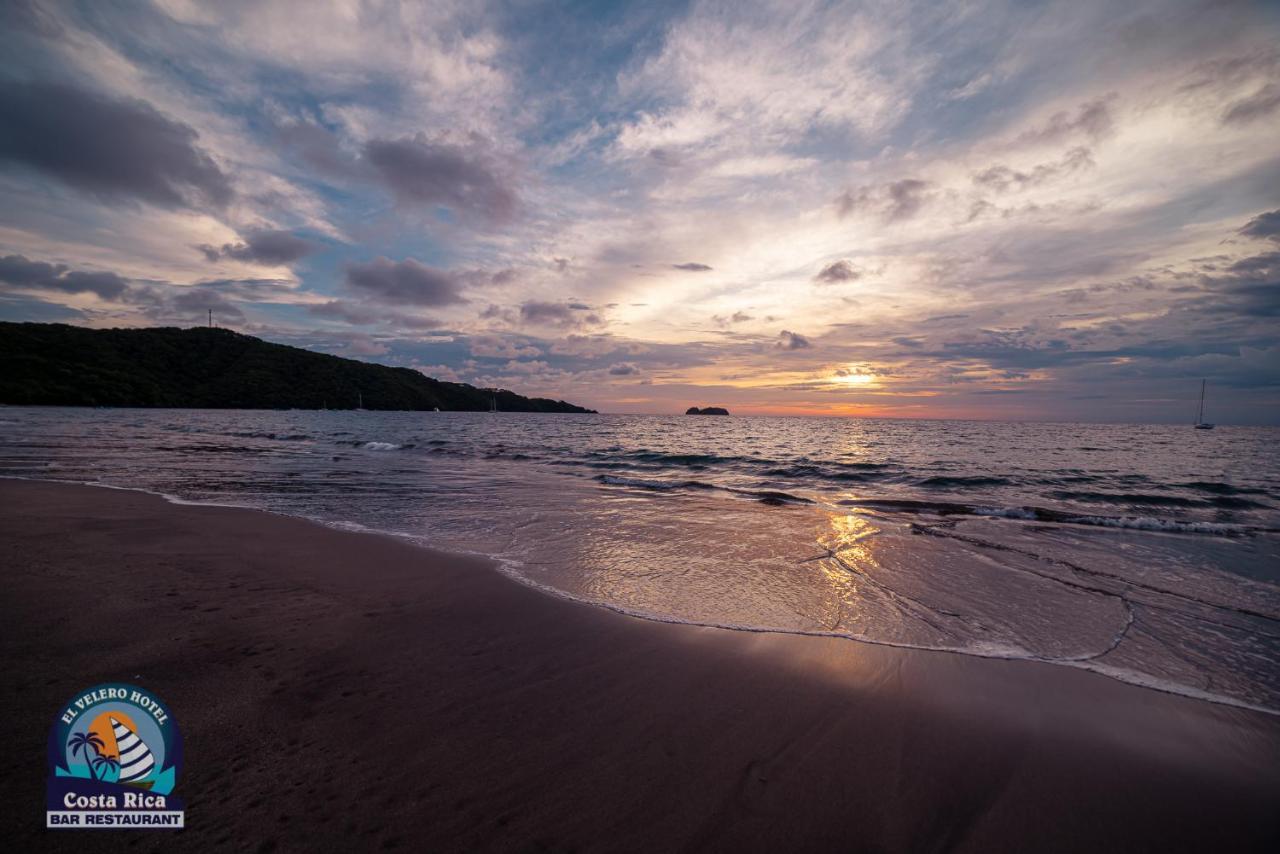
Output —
<point x="1030" y="210"/>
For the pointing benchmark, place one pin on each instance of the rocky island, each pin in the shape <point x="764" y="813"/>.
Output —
<point x="706" y="410"/>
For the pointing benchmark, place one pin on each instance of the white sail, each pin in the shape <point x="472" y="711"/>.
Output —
<point x="135" y="757"/>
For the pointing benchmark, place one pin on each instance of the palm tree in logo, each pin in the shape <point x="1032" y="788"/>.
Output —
<point x="82" y="742"/>
<point x="110" y="763"/>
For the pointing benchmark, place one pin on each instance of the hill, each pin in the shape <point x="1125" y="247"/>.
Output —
<point x="52" y="364"/>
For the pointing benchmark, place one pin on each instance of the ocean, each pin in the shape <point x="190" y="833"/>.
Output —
<point x="1150" y="554"/>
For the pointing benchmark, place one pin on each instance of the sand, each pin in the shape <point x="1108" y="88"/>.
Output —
<point x="346" y="692"/>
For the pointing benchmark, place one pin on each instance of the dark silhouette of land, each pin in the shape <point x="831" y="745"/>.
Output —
<point x="52" y="364"/>
<point x="706" y="410"/>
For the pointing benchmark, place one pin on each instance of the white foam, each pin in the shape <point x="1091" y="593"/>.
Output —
<point x="615" y="480"/>
<point x="380" y="446"/>
<point x="1150" y="523"/>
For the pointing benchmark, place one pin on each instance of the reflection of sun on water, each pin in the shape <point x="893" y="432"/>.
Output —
<point x="846" y="531"/>
<point x="846" y="539"/>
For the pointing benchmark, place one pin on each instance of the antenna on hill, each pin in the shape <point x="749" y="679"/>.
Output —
<point x="210" y="318"/>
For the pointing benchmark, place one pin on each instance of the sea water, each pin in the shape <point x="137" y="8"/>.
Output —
<point x="1147" y="553"/>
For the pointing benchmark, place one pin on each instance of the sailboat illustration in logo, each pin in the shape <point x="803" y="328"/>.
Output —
<point x="136" y="760"/>
<point x="114" y="758"/>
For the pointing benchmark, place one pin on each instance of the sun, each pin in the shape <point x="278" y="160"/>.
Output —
<point x="853" y="375"/>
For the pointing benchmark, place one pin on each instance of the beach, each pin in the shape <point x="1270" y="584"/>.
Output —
<point x="343" y="691"/>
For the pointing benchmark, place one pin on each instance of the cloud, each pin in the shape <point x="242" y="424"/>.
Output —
<point x="495" y="347"/>
<point x="407" y="282"/>
<point x="270" y="247"/>
<point x="419" y="171"/>
<point x="1262" y="103"/>
<point x="112" y="149"/>
<point x="363" y="345"/>
<point x="691" y="267"/>
<point x="894" y="201"/>
<point x="1092" y="119"/>
<point x="623" y="369"/>
<point x="567" y="315"/>
<point x="1002" y="178"/>
<point x="197" y="302"/>
<point x="788" y="340"/>
<point x="345" y="311"/>
<point x="19" y="272"/>
<point x="838" y="271"/>
<point x="1263" y="226"/>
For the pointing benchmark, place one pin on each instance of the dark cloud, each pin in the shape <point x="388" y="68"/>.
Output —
<point x="788" y="340"/>
<point x="1093" y="119"/>
<point x="17" y="271"/>
<point x="567" y="315"/>
<point x="623" y="369"/>
<point x="1262" y="103"/>
<point x="838" y="271"/>
<point x="419" y="171"/>
<point x="1264" y="225"/>
<point x="407" y="282"/>
<point x="1265" y="265"/>
<point x="1002" y="178"/>
<point x="319" y="148"/>
<point x="111" y="148"/>
<point x="898" y="200"/>
<point x="262" y="246"/>
<point x="691" y="267"/>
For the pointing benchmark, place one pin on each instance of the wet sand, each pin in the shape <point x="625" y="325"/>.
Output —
<point x="345" y="692"/>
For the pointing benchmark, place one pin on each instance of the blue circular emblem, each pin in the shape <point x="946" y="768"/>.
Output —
<point x="114" y="757"/>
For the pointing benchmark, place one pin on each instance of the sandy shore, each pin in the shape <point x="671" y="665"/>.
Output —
<point x="344" y="692"/>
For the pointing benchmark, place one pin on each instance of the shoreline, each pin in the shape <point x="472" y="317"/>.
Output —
<point x="500" y="566"/>
<point x="538" y="720"/>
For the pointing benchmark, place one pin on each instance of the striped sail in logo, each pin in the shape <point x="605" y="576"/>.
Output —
<point x="136" y="760"/>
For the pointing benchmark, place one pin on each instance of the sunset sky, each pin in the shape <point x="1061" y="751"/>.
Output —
<point x="993" y="210"/>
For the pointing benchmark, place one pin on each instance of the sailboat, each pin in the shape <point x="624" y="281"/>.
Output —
<point x="136" y="761"/>
<point x="1201" y="424"/>
<point x="359" y="402"/>
<point x="493" y="403"/>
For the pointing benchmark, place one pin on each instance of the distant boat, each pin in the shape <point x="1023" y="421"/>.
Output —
<point x="359" y="402"/>
<point x="1201" y="424"/>
<point x="493" y="403"/>
<point x="437" y="409"/>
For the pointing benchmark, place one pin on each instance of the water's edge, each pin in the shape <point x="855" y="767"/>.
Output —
<point x="509" y="568"/>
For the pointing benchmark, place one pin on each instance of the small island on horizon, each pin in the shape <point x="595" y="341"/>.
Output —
<point x="706" y="410"/>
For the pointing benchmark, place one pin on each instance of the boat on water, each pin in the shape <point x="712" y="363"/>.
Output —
<point x="1201" y="424"/>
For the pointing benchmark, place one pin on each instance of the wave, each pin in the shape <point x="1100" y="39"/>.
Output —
<point x="765" y="496"/>
<point x="949" y="481"/>
<point x="1223" y="500"/>
<point x="1044" y="514"/>
<point x="859" y="474"/>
